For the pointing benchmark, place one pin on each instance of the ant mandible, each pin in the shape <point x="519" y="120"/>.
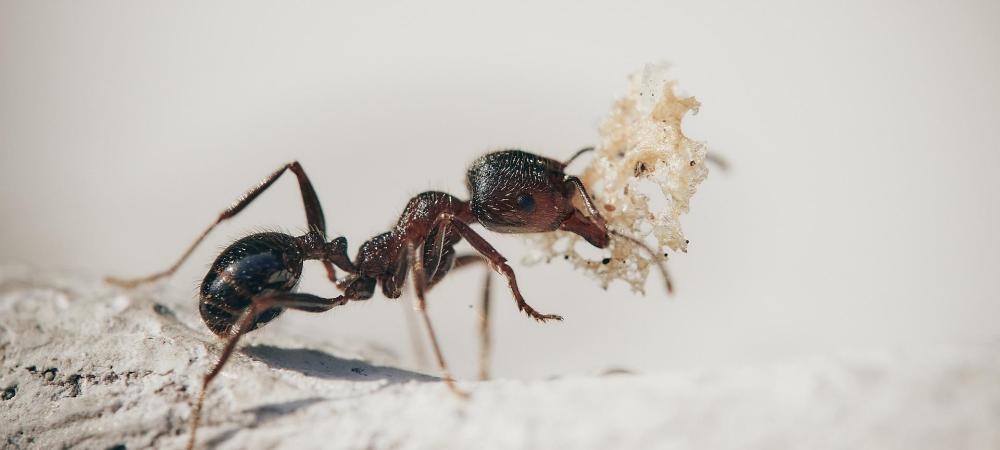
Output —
<point x="254" y="279"/>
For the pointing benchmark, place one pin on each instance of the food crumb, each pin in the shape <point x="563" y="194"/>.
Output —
<point x="642" y="143"/>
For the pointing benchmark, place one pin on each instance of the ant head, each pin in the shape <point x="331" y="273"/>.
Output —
<point x="518" y="192"/>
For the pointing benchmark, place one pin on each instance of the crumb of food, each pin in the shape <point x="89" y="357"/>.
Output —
<point x="642" y="149"/>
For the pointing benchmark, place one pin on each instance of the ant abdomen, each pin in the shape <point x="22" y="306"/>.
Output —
<point x="252" y="266"/>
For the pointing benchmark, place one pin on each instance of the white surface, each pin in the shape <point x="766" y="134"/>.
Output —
<point x="126" y="368"/>
<point x="861" y="210"/>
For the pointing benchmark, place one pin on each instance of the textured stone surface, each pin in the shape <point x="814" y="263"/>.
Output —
<point x="87" y="366"/>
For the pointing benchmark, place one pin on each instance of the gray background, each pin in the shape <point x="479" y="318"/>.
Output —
<point x="860" y="211"/>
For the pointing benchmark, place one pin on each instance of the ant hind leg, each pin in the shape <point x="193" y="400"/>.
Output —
<point x="301" y="302"/>
<point x="314" y="217"/>
<point x="499" y="263"/>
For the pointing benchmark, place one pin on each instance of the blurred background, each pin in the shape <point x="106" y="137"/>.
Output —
<point x="859" y="212"/>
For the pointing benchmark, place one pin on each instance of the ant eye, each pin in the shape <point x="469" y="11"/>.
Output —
<point x="526" y="202"/>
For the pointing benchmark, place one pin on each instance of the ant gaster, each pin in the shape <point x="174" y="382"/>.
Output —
<point x="254" y="279"/>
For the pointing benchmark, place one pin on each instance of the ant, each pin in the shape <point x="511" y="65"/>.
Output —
<point x="254" y="279"/>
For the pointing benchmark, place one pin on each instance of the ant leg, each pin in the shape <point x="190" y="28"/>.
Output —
<point x="416" y="339"/>
<point x="418" y="347"/>
<point x="417" y="270"/>
<point x="652" y="255"/>
<point x="314" y="217"/>
<point x="485" y="343"/>
<point x="301" y="302"/>
<point x="484" y="316"/>
<point x="498" y="262"/>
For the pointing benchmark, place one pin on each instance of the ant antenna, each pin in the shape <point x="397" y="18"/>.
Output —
<point x="577" y="154"/>
<point x="655" y="256"/>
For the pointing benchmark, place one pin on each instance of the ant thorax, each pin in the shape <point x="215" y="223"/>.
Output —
<point x="643" y="149"/>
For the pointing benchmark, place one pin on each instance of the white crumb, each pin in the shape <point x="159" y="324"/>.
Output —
<point x="642" y="148"/>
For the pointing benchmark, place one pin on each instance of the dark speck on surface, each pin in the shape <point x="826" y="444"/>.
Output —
<point x="162" y="310"/>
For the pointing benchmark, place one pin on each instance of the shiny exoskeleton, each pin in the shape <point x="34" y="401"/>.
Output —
<point x="258" y="264"/>
<point x="512" y="191"/>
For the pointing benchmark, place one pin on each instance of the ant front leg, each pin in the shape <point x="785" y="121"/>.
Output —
<point x="660" y="265"/>
<point x="496" y="260"/>
<point x="290" y="300"/>
<point x="314" y="218"/>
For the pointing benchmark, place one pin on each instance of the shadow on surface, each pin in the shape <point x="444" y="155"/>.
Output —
<point x="311" y="363"/>
<point x="263" y="414"/>
<point x="315" y="363"/>
<point x="272" y="411"/>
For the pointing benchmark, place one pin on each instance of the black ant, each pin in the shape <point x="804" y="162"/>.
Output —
<point x="254" y="279"/>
